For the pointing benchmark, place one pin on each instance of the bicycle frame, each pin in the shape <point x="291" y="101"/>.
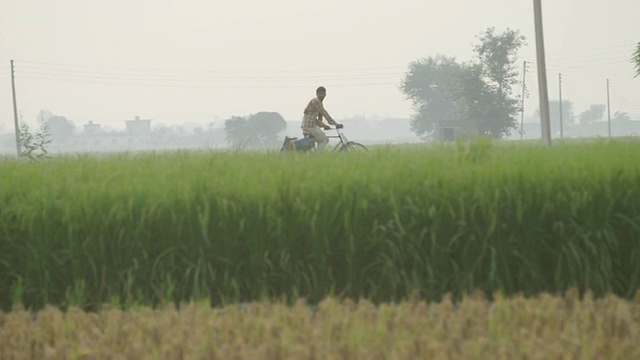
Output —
<point x="343" y="145"/>
<point x="341" y="136"/>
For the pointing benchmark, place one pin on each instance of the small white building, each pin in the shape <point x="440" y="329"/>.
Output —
<point x="138" y="126"/>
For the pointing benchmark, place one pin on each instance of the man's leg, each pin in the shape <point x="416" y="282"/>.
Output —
<point x="319" y="136"/>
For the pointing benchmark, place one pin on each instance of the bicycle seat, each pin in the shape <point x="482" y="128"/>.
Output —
<point x="307" y="133"/>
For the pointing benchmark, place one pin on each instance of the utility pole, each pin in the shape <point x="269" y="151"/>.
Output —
<point x="608" y="108"/>
<point x="524" y="72"/>
<point x="15" y="111"/>
<point x="561" y="125"/>
<point x="545" y="122"/>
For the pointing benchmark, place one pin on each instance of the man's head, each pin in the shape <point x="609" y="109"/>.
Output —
<point x="321" y="93"/>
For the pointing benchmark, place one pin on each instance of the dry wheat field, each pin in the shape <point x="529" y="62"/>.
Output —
<point x="543" y="327"/>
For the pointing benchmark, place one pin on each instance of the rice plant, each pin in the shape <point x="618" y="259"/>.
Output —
<point x="155" y="228"/>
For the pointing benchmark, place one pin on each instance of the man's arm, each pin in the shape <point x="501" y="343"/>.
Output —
<point x="324" y="113"/>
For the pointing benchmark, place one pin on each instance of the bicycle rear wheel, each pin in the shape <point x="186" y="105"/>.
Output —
<point x="353" y="146"/>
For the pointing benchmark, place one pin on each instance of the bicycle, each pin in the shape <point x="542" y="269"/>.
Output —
<point x="308" y="143"/>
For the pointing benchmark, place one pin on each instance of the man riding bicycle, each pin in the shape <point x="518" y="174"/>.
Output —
<point x="312" y="120"/>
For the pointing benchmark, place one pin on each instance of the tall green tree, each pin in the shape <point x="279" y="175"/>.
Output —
<point x="481" y="104"/>
<point x="61" y="128"/>
<point x="265" y="127"/>
<point x="237" y="131"/>
<point x="497" y="54"/>
<point x="432" y="85"/>
<point x="259" y="130"/>
<point x="591" y="115"/>
<point x="477" y="93"/>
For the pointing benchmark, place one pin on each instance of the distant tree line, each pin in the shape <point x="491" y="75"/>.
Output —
<point x="593" y="114"/>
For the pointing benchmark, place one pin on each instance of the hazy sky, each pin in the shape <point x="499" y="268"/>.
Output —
<point x="197" y="60"/>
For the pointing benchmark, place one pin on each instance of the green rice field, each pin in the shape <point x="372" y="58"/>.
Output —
<point x="150" y="229"/>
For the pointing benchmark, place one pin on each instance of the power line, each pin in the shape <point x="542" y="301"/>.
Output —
<point x="195" y="79"/>
<point x="131" y="77"/>
<point x="573" y="56"/>
<point x="596" y="57"/>
<point x="554" y="67"/>
<point x="590" y="60"/>
<point x="593" y="49"/>
<point x="206" y="71"/>
<point x="232" y="86"/>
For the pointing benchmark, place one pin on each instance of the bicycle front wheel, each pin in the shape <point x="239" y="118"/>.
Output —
<point x="353" y="146"/>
